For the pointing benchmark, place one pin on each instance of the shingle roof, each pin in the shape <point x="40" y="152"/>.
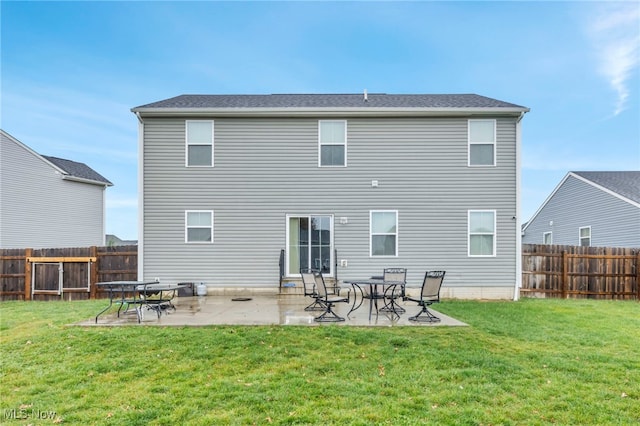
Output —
<point x="626" y="183"/>
<point x="78" y="170"/>
<point x="373" y="100"/>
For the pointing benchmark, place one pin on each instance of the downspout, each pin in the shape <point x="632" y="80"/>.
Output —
<point x="518" y="219"/>
<point x="140" y="197"/>
<point x="104" y="215"/>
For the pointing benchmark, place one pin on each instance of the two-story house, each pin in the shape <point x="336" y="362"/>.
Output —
<point x="346" y="183"/>
<point x="589" y="209"/>
<point x="48" y="202"/>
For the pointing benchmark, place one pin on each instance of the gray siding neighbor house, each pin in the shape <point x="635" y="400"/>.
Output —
<point x="48" y="202"/>
<point x="346" y="183"/>
<point x="589" y="209"/>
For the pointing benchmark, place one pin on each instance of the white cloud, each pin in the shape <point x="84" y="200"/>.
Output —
<point x="615" y="33"/>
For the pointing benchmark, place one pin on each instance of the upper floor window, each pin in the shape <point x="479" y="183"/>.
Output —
<point x="547" y="238"/>
<point x="332" y="143"/>
<point x="585" y="236"/>
<point x="199" y="143"/>
<point x="198" y="226"/>
<point x="384" y="233"/>
<point x="482" y="142"/>
<point x="482" y="233"/>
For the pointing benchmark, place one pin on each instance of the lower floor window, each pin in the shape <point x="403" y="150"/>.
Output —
<point x="384" y="233"/>
<point x="482" y="233"/>
<point x="585" y="236"/>
<point x="199" y="226"/>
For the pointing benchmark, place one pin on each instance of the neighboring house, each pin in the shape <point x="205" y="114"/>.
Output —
<point x="424" y="182"/>
<point x="589" y="209"/>
<point x="48" y="202"/>
<point x="112" y="240"/>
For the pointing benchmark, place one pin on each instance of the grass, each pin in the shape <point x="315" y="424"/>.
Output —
<point x="528" y="362"/>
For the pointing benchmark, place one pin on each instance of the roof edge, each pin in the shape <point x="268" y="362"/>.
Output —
<point x="604" y="189"/>
<point x="85" y="180"/>
<point x="346" y="111"/>
<point x="34" y="153"/>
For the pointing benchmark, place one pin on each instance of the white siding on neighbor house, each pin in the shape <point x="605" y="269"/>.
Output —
<point x="38" y="209"/>
<point x="266" y="168"/>
<point x="576" y="204"/>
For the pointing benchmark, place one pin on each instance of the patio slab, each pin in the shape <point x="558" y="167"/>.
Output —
<point x="261" y="310"/>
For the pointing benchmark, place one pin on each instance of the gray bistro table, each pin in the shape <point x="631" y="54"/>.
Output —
<point x="157" y="296"/>
<point x="377" y="287"/>
<point x="152" y="294"/>
<point x="122" y="293"/>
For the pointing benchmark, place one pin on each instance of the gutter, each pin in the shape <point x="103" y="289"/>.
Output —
<point x="140" y="195"/>
<point x="84" y="180"/>
<point x="315" y="112"/>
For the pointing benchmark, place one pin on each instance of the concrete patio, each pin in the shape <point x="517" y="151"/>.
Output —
<point x="261" y="310"/>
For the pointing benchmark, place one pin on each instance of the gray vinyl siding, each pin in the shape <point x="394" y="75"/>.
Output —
<point x="38" y="209"/>
<point x="575" y="204"/>
<point x="266" y="168"/>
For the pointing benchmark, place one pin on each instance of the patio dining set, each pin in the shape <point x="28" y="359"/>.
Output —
<point x="381" y="292"/>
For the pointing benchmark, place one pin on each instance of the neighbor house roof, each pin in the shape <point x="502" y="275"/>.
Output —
<point x="79" y="171"/>
<point x="361" y="102"/>
<point x="624" y="185"/>
<point x="70" y="170"/>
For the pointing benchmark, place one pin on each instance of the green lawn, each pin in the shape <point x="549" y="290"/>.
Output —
<point x="529" y="362"/>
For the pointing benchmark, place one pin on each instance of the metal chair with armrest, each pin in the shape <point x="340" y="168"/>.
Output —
<point x="309" y="287"/>
<point x="429" y="294"/>
<point x="328" y="301"/>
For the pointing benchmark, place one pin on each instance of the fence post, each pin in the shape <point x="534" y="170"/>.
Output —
<point x="638" y="275"/>
<point x="93" y="276"/>
<point x="565" y="274"/>
<point x="27" y="274"/>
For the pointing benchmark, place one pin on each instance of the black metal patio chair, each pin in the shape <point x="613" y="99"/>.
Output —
<point x="328" y="301"/>
<point x="429" y="294"/>
<point x="396" y="291"/>
<point x="309" y="287"/>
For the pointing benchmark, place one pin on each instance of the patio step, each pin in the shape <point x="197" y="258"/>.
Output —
<point x="294" y="286"/>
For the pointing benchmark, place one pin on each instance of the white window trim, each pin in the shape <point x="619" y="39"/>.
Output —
<point x="186" y="227"/>
<point x="397" y="233"/>
<point x="494" y="233"/>
<point x="331" y="144"/>
<point x="580" y="235"/>
<point x="544" y="237"/>
<point x="187" y="144"/>
<point x="469" y="143"/>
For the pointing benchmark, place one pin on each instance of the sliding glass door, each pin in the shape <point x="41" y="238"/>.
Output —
<point x="309" y="243"/>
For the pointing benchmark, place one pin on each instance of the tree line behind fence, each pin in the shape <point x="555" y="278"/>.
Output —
<point x="547" y="271"/>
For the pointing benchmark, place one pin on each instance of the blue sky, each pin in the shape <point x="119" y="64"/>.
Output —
<point x="71" y="72"/>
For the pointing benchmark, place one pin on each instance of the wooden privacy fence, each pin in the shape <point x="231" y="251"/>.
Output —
<point x="547" y="271"/>
<point x="69" y="273"/>
<point x="580" y="272"/>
